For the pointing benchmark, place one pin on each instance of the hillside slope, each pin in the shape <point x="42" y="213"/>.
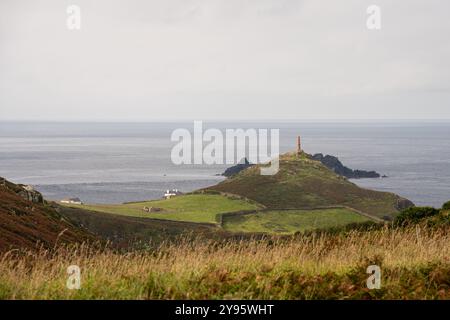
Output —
<point x="136" y="232"/>
<point x="305" y="183"/>
<point x="199" y="208"/>
<point x="27" y="222"/>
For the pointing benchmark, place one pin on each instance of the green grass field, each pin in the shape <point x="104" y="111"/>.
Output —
<point x="291" y="221"/>
<point x="203" y="208"/>
<point x="190" y="207"/>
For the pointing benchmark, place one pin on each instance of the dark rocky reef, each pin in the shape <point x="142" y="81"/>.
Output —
<point x="334" y="164"/>
<point x="231" y="171"/>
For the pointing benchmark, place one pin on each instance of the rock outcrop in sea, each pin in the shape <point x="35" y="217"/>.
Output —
<point x="334" y="164"/>
<point x="231" y="171"/>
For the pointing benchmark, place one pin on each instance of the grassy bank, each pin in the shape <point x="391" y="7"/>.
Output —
<point x="191" y="207"/>
<point x="291" y="221"/>
<point x="414" y="263"/>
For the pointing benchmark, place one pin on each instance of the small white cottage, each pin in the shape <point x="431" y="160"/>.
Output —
<point x="72" y="201"/>
<point x="172" y="193"/>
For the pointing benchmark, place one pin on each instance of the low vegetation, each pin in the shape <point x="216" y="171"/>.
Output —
<point x="291" y="221"/>
<point x="414" y="264"/>
<point x="428" y="215"/>
<point x="415" y="215"/>
<point x="446" y="206"/>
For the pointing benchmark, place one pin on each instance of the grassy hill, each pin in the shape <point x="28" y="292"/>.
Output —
<point x="304" y="183"/>
<point x="322" y="199"/>
<point x="291" y="221"/>
<point x="201" y="208"/>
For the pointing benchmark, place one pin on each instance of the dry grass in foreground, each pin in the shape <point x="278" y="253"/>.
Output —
<point x="414" y="262"/>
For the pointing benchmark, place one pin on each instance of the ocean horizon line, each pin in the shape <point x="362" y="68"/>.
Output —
<point x="312" y="120"/>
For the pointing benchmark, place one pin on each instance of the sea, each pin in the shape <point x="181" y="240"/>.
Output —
<point x="102" y="162"/>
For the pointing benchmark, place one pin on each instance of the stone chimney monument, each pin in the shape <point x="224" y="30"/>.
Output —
<point x="299" y="146"/>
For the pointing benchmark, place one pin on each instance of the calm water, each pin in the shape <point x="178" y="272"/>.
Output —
<point x="118" y="162"/>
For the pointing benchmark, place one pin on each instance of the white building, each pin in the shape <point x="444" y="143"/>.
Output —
<point x="72" y="201"/>
<point x="172" y="193"/>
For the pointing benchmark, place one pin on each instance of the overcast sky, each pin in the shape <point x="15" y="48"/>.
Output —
<point x="224" y="59"/>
